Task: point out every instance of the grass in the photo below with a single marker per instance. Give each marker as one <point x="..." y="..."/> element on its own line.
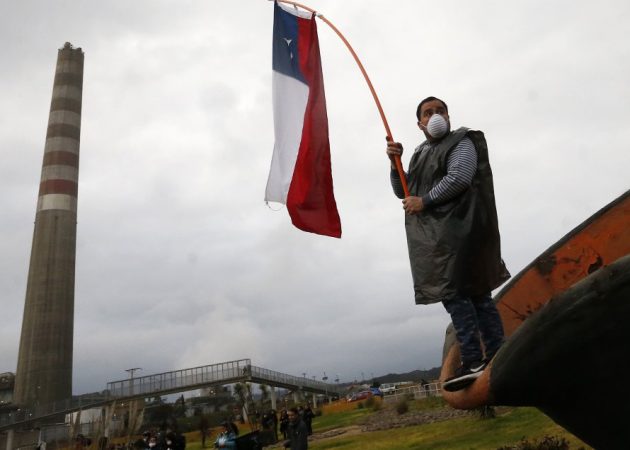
<point x="328" y="422"/>
<point x="467" y="433"/>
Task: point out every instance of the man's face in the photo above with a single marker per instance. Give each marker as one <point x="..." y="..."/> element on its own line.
<point x="293" y="416"/>
<point x="427" y="110"/>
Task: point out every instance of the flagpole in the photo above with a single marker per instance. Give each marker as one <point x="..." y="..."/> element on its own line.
<point x="399" y="168"/>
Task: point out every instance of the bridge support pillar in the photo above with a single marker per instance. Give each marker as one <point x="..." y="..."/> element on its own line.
<point x="9" y="440"/>
<point x="296" y="397"/>
<point x="272" y="392"/>
<point x="108" y="415"/>
<point x="314" y="399"/>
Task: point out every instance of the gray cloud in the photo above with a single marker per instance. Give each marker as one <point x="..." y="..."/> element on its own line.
<point x="180" y="263"/>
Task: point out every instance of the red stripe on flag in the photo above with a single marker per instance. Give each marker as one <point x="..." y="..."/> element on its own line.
<point x="310" y="200"/>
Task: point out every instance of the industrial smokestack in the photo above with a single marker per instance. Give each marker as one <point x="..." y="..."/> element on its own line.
<point x="44" y="369"/>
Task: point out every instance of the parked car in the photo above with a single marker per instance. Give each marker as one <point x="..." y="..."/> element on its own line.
<point x="376" y="391"/>
<point x="388" y="388"/>
<point x="361" y="395"/>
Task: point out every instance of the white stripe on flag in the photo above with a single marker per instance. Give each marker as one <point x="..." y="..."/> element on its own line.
<point x="290" y="97"/>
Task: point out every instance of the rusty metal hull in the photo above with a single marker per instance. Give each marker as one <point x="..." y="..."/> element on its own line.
<point x="600" y="240"/>
<point x="580" y="277"/>
<point x="570" y="359"/>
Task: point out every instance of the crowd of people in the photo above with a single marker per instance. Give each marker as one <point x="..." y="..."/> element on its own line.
<point x="167" y="439"/>
<point x="294" y="424"/>
<point x="290" y="426"/>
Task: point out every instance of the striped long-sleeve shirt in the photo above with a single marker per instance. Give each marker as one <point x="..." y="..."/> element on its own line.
<point x="461" y="166"/>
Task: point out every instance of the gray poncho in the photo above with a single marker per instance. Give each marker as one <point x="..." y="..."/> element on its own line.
<point x="454" y="247"/>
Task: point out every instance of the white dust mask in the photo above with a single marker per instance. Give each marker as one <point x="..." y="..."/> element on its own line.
<point x="437" y="126"/>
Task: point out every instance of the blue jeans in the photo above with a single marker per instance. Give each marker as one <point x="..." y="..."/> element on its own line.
<point x="474" y="318"/>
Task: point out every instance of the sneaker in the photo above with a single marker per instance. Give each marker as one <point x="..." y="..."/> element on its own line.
<point x="465" y="375"/>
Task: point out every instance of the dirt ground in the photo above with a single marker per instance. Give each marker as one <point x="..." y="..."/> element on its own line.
<point x="388" y="418"/>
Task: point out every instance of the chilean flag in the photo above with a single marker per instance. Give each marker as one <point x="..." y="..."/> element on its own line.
<point x="300" y="175"/>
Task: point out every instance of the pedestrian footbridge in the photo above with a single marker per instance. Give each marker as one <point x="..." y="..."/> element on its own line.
<point x="169" y="383"/>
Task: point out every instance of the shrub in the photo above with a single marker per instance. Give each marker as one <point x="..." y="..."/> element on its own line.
<point x="486" y="412"/>
<point x="547" y="443"/>
<point x="402" y="407"/>
<point x="360" y="405"/>
<point x="369" y="403"/>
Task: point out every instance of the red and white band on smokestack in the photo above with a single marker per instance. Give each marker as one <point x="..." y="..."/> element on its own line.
<point x="60" y="169"/>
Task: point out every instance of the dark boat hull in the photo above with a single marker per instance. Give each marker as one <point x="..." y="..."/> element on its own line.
<point x="566" y="318"/>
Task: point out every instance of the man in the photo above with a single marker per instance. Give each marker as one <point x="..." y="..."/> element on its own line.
<point x="227" y="437"/>
<point x="297" y="432"/>
<point x="307" y="417"/>
<point x="452" y="233"/>
<point x="203" y="429"/>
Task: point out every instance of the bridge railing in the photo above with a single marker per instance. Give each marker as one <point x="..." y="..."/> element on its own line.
<point x="417" y="391"/>
<point x="290" y="380"/>
<point x="168" y="382"/>
<point x="51" y="409"/>
<point x="154" y="384"/>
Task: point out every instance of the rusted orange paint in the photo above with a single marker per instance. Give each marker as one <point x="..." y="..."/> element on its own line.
<point x="600" y="242"/>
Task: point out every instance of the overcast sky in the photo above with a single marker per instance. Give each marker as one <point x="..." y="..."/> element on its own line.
<point x="179" y="261"/>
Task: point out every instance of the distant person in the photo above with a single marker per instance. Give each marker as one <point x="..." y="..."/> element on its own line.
<point x="425" y="387"/>
<point x="274" y="417"/>
<point x="268" y="434"/>
<point x="284" y="423"/>
<point x="227" y="438"/>
<point x="233" y="428"/>
<point x="203" y="430"/>
<point x="175" y="441"/>
<point x="296" y="432"/>
<point x="266" y="422"/>
<point x="307" y="416"/>
<point x="453" y="233"/>
<point x="153" y="443"/>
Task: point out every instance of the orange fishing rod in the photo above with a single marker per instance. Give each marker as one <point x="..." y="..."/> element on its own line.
<point x="399" y="168"/>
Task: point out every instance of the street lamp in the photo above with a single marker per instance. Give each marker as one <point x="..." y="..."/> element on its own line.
<point x="131" y="372"/>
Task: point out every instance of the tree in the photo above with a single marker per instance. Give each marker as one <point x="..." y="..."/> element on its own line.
<point x="179" y="409"/>
<point x="264" y="395"/>
<point x="240" y="391"/>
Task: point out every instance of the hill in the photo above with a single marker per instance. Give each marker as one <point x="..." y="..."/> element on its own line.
<point x="415" y="375"/>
